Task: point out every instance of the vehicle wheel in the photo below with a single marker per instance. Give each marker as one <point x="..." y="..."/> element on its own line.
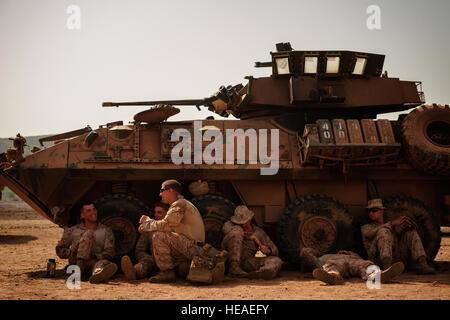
<point x="215" y="211"/>
<point x="316" y="221"/>
<point x="427" y="223"/>
<point x="121" y="213"/>
<point x="426" y="135"/>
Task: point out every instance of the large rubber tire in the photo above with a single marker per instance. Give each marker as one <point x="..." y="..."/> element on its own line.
<point x="426" y="136"/>
<point x="316" y="221"/>
<point x="427" y="223"/>
<point x="215" y="211"/>
<point x="121" y="213"/>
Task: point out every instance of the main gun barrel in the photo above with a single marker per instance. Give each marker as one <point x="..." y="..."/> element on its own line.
<point x="187" y="102"/>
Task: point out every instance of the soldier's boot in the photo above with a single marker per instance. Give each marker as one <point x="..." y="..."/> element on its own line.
<point x="183" y="269"/>
<point x="391" y="272"/>
<point x="423" y="267"/>
<point x="386" y="262"/>
<point x="265" y="274"/>
<point x="328" y="277"/>
<point x="104" y="274"/>
<point x="236" y="270"/>
<point x="164" y="276"/>
<point x="127" y="268"/>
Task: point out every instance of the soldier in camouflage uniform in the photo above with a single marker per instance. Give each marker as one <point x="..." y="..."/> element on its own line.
<point x="179" y="236"/>
<point x="243" y="240"/>
<point x="392" y="241"/>
<point x="333" y="268"/>
<point x="90" y="245"/>
<point x="143" y="252"/>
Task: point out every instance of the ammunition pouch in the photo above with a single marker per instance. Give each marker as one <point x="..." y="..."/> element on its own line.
<point x="208" y="266"/>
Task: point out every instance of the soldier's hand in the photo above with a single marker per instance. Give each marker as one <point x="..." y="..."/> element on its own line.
<point x="140" y="229"/>
<point x="265" y="249"/>
<point x="143" y="219"/>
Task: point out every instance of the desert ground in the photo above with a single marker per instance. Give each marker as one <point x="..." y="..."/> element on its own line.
<point x="27" y="240"/>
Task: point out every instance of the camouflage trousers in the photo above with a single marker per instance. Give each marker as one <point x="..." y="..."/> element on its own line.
<point x="243" y="251"/>
<point x="398" y="247"/>
<point x="82" y="249"/>
<point x="348" y="266"/>
<point x="144" y="266"/>
<point x="170" y="248"/>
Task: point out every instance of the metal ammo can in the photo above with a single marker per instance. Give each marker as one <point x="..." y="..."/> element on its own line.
<point x="51" y="268"/>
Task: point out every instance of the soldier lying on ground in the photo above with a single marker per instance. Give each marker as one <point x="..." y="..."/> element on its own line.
<point x="178" y="236"/>
<point x="243" y="240"/>
<point x="90" y="245"/>
<point x="333" y="268"/>
<point x="393" y="241"/>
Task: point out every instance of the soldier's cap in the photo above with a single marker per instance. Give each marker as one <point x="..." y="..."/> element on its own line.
<point x="375" y="203"/>
<point x="242" y="214"/>
<point x="172" y="184"/>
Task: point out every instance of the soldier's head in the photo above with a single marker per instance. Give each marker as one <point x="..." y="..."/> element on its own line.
<point x="89" y="212"/>
<point x="160" y="210"/>
<point x="375" y="210"/>
<point x="170" y="190"/>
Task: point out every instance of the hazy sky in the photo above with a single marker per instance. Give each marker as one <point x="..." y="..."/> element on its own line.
<point x="54" y="79"/>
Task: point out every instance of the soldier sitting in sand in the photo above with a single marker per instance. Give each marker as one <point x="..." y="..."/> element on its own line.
<point x="243" y="239"/>
<point x="397" y="240"/>
<point x="90" y="245"/>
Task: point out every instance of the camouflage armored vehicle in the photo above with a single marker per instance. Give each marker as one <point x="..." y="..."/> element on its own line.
<point x="305" y="153"/>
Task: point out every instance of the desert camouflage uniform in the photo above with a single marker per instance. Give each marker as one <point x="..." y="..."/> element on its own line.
<point x="242" y="250"/>
<point x="78" y="242"/>
<point x="347" y="264"/>
<point x="143" y="253"/>
<point x="177" y="236"/>
<point x="382" y="241"/>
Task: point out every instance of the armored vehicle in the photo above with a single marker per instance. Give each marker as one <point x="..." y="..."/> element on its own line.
<point x="305" y="153"/>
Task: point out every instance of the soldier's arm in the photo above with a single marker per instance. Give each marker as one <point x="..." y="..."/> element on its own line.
<point x="168" y="223"/>
<point x="142" y="246"/>
<point x="109" y="247"/>
<point x="265" y="240"/>
<point x="63" y="246"/>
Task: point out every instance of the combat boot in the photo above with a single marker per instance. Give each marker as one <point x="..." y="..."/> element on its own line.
<point x="330" y="278"/>
<point x="127" y="268"/>
<point x="423" y="267"/>
<point x="386" y="262"/>
<point x="104" y="274"/>
<point x="391" y="272"/>
<point x="236" y="270"/>
<point x="164" y="276"/>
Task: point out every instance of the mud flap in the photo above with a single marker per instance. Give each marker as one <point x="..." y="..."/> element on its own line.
<point x="208" y="266"/>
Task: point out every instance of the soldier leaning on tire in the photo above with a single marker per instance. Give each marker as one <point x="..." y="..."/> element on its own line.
<point x="333" y="268"/>
<point x="143" y="253"/>
<point x="90" y="245"/>
<point x="179" y="235"/>
<point x="243" y="240"/>
<point x="393" y="241"/>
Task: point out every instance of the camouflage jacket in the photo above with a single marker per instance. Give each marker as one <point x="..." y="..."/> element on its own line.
<point x="104" y="241"/>
<point x="182" y="218"/>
